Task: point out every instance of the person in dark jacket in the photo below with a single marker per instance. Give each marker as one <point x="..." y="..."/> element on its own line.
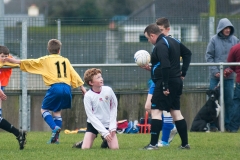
<point x="217" y="51"/>
<point x="167" y="75"/>
<point x="234" y="123"/>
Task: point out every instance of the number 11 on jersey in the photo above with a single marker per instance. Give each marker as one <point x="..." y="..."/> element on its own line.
<point x="59" y="71"/>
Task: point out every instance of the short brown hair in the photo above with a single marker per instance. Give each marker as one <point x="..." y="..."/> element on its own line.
<point x="88" y="75"/>
<point x="54" y="46"/>
<point x="152" y="29"/>
<point x="4" y="50"/>
<point x="163" y="22"/>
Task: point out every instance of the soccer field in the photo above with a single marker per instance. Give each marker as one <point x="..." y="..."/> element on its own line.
<point x="217" y="146"/>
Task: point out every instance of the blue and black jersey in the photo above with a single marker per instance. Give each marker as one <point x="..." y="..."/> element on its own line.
<point x="165" y="59"/>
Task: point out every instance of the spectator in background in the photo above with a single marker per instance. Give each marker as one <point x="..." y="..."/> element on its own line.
<point x="234" y="56"/>
<point x="217" y="51"/>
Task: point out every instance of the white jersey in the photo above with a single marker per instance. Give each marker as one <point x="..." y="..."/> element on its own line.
<point x="101" y="110"/>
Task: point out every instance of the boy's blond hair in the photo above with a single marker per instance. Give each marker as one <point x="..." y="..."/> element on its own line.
<point x="88" y="75"/>
<point x="54" y="46"/>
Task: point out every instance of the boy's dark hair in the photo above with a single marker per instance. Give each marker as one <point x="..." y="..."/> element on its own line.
<point x="88" y="75"/>
<point x="163" y="22"/>
<point x="152" y="29"/>
<point x="54" y="46"/>
<point x="4" y="50"/>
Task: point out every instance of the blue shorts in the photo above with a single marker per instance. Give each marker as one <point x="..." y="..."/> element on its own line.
<point x="58" y="97"/>
<point x="2" y="88"/>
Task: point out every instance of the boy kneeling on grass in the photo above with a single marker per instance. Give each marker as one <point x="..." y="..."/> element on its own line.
<point x="100" y="105"/>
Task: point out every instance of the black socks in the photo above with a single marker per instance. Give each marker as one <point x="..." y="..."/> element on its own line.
<point x="156" y="127"/>
<point x="4" y="124"/>
<point x="181" y="126"/>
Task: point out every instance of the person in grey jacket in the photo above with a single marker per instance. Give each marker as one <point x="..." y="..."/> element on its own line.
<point x="217" y="51"/>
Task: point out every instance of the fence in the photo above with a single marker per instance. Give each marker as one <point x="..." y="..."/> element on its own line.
<point x="25" y="98"/>
<point x="104" y="41"/>
<point x="109" y="45"/>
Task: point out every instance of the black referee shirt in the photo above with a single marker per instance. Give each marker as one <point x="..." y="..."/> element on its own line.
<point x="166" y="58"/>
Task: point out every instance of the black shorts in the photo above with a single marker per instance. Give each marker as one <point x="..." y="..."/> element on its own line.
<point x="172" y="101"/>
<point x="91" y="129"/>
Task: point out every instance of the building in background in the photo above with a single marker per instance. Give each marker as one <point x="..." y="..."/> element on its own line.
<point x="15" y="18"/>
<point x="187" y="18"/>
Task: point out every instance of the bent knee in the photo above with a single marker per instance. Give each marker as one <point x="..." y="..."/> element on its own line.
<point x="178" y="118"/>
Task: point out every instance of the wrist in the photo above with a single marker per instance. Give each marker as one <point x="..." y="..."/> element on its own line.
<point x="165" y="86"/>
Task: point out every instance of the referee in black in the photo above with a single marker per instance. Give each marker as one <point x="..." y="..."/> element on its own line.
<point x="168" y="76"/>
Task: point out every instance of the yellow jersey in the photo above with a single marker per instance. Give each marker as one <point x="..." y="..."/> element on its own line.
<point x="54" y="69"/>
<point x="8" y="64"/>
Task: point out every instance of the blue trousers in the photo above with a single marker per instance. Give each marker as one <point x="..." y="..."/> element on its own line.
<point x="235" y="116"/>
<point x="228" y="96"/>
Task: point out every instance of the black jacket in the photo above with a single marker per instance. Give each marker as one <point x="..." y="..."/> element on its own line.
<point x="165" y="59"/>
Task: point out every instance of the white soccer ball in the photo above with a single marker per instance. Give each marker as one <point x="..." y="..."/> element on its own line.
<point x="142" y="57"/>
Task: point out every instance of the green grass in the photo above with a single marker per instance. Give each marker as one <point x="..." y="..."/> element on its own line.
<point x="204" y="146"/>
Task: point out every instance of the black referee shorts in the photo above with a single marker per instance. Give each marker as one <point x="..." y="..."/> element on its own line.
<point x="172" y="101"/>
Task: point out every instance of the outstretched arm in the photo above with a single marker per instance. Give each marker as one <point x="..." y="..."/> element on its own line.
<point x="82" y="88"/>
<point x="12" y="60"/>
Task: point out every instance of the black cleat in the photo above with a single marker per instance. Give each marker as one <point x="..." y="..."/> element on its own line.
<point x="104" y="143"/>
<point x="22" y="138"/>
<point x="77" y="145"/>
<point x="185" y="147"/>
